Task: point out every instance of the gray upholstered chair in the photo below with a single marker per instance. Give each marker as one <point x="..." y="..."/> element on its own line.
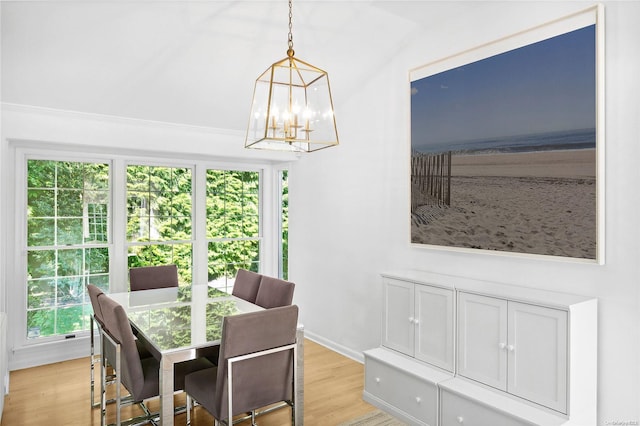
<point x="108" y="349"/>
<point x="274" y="292"/>
<point x="94" y="292"/>
<point x="150" y="277"/>
<point x="256" y="366"/>
<point x="140" y="375"/>
<point x="246" y="285"/>
<point x="96" y="318"/>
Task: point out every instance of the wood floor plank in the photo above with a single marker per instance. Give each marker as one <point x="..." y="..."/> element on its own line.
<point x="58" y="394"/>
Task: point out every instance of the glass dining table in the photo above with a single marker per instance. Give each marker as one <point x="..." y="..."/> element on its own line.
<point x="178" y="323"/>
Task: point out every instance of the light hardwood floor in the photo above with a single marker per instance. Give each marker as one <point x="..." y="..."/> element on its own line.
<point x="58" y="394"/>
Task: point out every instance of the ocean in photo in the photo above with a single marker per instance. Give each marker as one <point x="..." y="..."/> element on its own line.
<point x="548" y="141"/>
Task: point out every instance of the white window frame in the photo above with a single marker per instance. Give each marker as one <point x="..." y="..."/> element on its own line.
<point x="279" y="171"/>
<point x="17" y="293"/>
<point x="123" y="279"/>
<point x="261" y="212"/>
<point x="16" y="258"/>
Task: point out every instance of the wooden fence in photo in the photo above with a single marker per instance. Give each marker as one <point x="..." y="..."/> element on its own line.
<point x="430" y="179"/>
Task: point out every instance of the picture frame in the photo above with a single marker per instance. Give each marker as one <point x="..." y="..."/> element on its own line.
<point x="507" y="144"/>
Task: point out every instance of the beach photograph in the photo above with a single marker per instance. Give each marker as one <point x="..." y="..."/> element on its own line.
<point x="503" y="151"/>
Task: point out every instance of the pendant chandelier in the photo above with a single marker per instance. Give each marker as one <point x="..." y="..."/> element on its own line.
<point x="292" y="108"/>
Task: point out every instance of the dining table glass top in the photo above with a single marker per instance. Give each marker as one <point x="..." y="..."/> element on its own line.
<point x="174" y="319"/>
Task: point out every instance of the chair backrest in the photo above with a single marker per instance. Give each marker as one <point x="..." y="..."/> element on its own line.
<point x="94" y="293"/>
<point x="150" y="277"/>
<point x="246" y="285"/>
<point x="116" y="323"/>
<point x="262" y="380"/>
<point x="274" y="292"/>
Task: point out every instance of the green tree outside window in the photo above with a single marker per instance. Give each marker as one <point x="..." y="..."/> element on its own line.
<point x="159" y="206"/>
<point x="67" y="237"/>
<point x="233" y="225"/>
<point x="284" y="255"/>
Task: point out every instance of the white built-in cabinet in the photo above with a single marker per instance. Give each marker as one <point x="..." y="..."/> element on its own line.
<point x="418" y="321"/>
<point x="507" y="344"/>
<point x="458" y="351"/>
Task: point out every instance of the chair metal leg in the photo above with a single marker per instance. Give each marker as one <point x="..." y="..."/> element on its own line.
<point x="97" y="362"/>
<point x="189" y="406"/>
<point x="294" y="387"/>
<point x="103" y="388"/>
<point x="118" y="384"/>
<point x="92" y="360"/>
<point x="293" y="414"/>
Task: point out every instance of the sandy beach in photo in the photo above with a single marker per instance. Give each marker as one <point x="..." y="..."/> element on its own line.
<point x="579" y="163"/>
<point x="537" y="203"/>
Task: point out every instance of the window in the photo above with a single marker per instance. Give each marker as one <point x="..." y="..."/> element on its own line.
<point x="159" y="205"/>
<point x="233" y="224"/>
<point x="97" y="221"/>
<point x="74" y="236"/>
<point x="67" y="237"/>
<point x="284" y="225"/>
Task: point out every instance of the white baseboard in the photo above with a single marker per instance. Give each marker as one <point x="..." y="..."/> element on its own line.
<point x="47" y="353"/>
<point x="342" y="350"/>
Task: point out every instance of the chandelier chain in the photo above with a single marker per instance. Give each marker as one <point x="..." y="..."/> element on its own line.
<point x="290" y="38"/>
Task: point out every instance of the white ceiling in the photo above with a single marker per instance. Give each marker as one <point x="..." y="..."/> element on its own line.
<point x="190" y="62"/>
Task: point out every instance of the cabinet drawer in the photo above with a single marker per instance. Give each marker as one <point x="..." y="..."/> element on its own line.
<point x="412" y="395"/>
<point x="458" y="411"/>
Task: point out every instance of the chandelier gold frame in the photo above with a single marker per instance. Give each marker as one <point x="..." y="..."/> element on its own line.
<point x="292" y="108"/>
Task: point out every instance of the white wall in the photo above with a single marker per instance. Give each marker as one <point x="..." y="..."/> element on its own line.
<point x="350" y="209"/>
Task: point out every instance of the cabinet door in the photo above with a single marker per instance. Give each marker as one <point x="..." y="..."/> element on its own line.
<point x="482" y="339"/>
<point x="434" y="315"/>
<point x="537" y="354"/>
<point x="398" y="322"/>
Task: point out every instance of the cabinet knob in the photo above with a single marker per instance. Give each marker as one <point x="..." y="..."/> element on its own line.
<point x="377" y="379"/>
<point x="418" y="399"/>
<point x="502" y="345"/>
<point x="460" y="419"/>
<point x="416" y="321"/>
<point x="511" y="348"/>
<point x="410" y="319"/>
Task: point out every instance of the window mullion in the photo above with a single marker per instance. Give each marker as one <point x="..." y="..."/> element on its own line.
<point x="199" y="220"/>
<point x="118" y="259"/>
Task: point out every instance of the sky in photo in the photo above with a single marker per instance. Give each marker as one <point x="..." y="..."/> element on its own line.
<point x="542" y="87"/>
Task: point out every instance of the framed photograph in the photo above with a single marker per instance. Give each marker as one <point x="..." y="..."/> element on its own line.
<point x="507" y="144"/>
